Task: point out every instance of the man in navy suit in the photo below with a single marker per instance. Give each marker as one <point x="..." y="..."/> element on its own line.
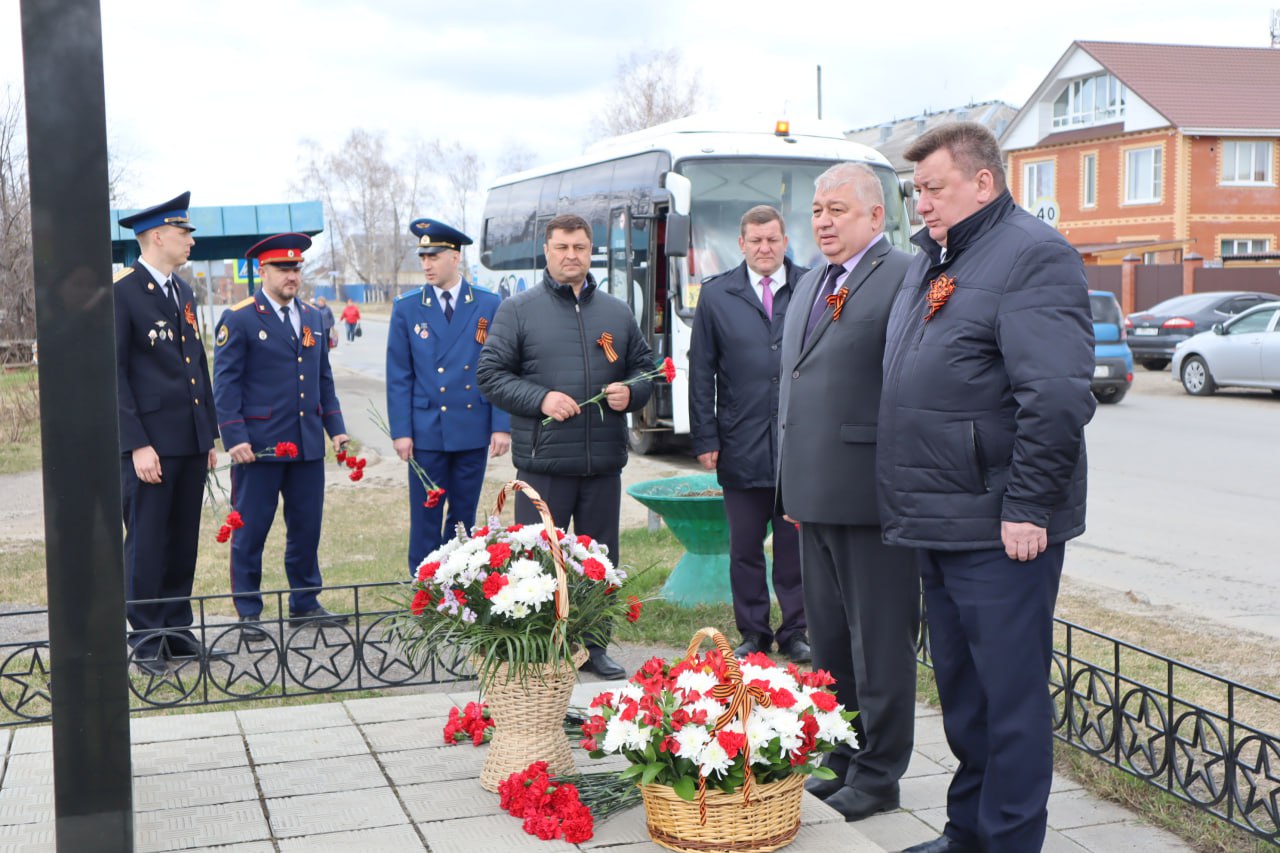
<point x="273" y="384"/>
<point x="167" y="427"/>
<point x="437" y="414"/>
<point x="733" y="416"/>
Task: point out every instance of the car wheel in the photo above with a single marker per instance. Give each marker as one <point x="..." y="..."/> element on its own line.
<point x="1156" y="363"/>
<point x="1110" y="395"/>
<point x="1196" y="378"/>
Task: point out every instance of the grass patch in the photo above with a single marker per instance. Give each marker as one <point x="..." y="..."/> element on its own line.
<point x="19" y="421"/>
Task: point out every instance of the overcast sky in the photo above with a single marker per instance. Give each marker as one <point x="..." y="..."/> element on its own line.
<point x="214" y="96"/>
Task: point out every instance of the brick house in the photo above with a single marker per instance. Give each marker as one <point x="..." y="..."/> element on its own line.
<point x="1154" y="150"/>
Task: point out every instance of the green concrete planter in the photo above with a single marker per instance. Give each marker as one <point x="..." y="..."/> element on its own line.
<point x="698" y="522"/>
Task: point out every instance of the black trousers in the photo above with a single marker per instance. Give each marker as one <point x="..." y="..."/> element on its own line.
<point x="863" y="602"/>
<point x="991" y="636"/>
<point x="591" y="504"/>
<point x="162" y="536"/>
<point x="750" y="511"/>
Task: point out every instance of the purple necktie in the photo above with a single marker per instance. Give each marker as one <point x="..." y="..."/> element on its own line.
<point x="834" y="271"/>
<point x="766" y="296"/>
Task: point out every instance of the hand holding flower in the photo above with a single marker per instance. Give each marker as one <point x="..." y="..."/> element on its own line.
<point x="616" y="394"/>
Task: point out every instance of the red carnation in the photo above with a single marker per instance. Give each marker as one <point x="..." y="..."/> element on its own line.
<point x="427" y="571"/>
<point x="480" y="532"/>
<point x="823" y="701"/>
<point x="351" y="462"/>
<point x="421" y="601"/>
<point x="782" y="697"/>
<point x="342" y="456"/>
<point x="360" y="463"/>
<point x="669" y="369"/>
<point x="586" y="541"/>
<point x="515" y="528"/>
<point x="633" y="614"/>
<point x="499" y="553"/>
<point x="224" y="533"/>
<point x="593" y="569"/>
<point x="494" y="583"/>
<point x="731" y="742"/>
<point x="356" y="475"/>
<point x="286" y="449"/>
<point x="234" y="520"/>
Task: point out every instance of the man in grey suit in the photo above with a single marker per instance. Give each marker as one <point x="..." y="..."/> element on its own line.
<point x="861" y="596"/>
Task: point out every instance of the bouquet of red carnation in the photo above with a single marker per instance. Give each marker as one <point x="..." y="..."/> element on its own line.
<point x="472" y="722"/>
<point x="550" y="809"/>
<point x="234" y="521"/>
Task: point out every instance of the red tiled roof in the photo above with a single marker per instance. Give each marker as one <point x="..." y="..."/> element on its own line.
<point x="1199" y="87"/>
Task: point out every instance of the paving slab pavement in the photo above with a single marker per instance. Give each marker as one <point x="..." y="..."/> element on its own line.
<point x="372" y="775"/>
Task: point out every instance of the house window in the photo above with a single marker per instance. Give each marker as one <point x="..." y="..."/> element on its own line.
<point x="1092" y="100"/>
<point x="1246" y="162"/>
<point x="1089" y="180"/>
<point x="1244" y="246"/>
<point x="1037" y="182"/>
<point x="1142" y="175"/>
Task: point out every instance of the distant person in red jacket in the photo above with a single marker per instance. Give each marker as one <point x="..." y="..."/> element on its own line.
<point x="351" y="316"/>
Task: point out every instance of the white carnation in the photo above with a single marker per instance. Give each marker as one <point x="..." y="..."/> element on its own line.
<point x="622" y="734"/>
<point x="701" y="681"/>
<point x="690" y="740"/>
<point x="713" y="759"/>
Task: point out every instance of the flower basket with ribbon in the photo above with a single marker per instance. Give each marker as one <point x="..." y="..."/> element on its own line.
<point x="520" y="602"/>
<point x="720" y="747"/>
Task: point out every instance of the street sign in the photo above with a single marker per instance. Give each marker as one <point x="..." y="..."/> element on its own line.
<point x="1046" y="210"/>
<point x="242" y="273"/>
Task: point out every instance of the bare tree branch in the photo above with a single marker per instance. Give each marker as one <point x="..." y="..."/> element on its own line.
<point x="650" y="88"/>
<point x="17" y="282"/>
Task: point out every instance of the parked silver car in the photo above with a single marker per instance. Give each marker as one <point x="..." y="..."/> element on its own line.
<point x="1244" y="351"/>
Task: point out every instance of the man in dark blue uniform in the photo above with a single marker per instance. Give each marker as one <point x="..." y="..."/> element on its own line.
<point x="273" y="384"/>
<point x="436" y="411"/>
<point x="167" y="427"/>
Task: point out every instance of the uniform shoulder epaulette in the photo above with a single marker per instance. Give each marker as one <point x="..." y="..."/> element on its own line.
<point x="409" y="293"/>
<point x="243" y="303"/>
<point x="124" y="273"/>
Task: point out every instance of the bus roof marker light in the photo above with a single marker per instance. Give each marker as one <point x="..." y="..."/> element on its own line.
<point x="782" y="128"/>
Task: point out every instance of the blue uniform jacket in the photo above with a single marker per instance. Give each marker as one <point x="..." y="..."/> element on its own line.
<point x="162" y="376"/>
<point x="269" y="388"/>
<point x="432" y="393"/>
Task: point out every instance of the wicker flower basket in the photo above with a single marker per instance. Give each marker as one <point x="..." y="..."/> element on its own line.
<point x="757" y="819"/>
<point x="528" y="706"/>
<point x="771" y="820"/>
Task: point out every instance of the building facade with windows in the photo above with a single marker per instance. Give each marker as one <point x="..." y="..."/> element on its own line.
<point x="1154" y="150"/>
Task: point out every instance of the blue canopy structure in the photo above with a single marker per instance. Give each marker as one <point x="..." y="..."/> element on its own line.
<point x="224" y="233"/>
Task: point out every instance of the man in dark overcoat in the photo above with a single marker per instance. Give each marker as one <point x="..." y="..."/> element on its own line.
<point x="733" y="422"/>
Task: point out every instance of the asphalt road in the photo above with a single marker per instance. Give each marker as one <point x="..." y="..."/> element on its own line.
<point x="1182" y="493"/>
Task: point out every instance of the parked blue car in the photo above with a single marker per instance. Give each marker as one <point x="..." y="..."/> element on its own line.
<point x="1113" y="361"/>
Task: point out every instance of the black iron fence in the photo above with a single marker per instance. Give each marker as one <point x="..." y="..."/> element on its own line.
<point x="272" y="657"/>
<point x="1205" y="739"/>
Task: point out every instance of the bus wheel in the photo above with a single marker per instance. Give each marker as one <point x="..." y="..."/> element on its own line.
<point x="645" y="442"/>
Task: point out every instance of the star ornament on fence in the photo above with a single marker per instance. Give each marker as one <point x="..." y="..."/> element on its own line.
<point x="1201" y="762"/>
<point x="32" y="679"/>
<point x="1261" y="780"/>
<point x="322" y="654"/>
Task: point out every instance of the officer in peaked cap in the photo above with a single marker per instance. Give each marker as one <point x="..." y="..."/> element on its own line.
<point x="435" y="409"/>
<point x="272" y="384"/>
<point x="167" y="427"/>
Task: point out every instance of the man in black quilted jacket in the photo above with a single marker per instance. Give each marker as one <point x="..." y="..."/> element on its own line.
<point x="981" y="464"/>
<point x="551" y="348"/>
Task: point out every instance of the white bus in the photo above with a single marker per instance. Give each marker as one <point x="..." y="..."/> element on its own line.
<point x="665" y="205"/>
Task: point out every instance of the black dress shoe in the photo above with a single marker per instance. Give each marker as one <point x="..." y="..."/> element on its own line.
<point x="943" y="844"/>
<point x="191" y="650"/>
<point x="311" y="617"/>
<point x="823" y="788"/>
<point x="599" y="663"/>
<point x="155" y="667"/>
<point x="253" y="632"/>
<point x="856" y="804"/>
<point x="796" y="649"/>
<point x="752" y="642"/>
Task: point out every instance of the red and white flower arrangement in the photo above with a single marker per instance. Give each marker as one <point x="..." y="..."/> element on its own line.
<point x="492" y="595"/>
<point x="680" y="723"/>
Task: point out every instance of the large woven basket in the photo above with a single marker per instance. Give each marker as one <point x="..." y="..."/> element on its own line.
<point x="528" y="706"/>
<point x="771" y="820"/>
<point x="757" y="819"/>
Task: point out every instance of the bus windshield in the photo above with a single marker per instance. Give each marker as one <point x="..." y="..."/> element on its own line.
<point x="724" y="189"/>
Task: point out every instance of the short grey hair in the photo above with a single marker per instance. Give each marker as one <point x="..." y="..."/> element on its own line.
<point x="866" y="186"/>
